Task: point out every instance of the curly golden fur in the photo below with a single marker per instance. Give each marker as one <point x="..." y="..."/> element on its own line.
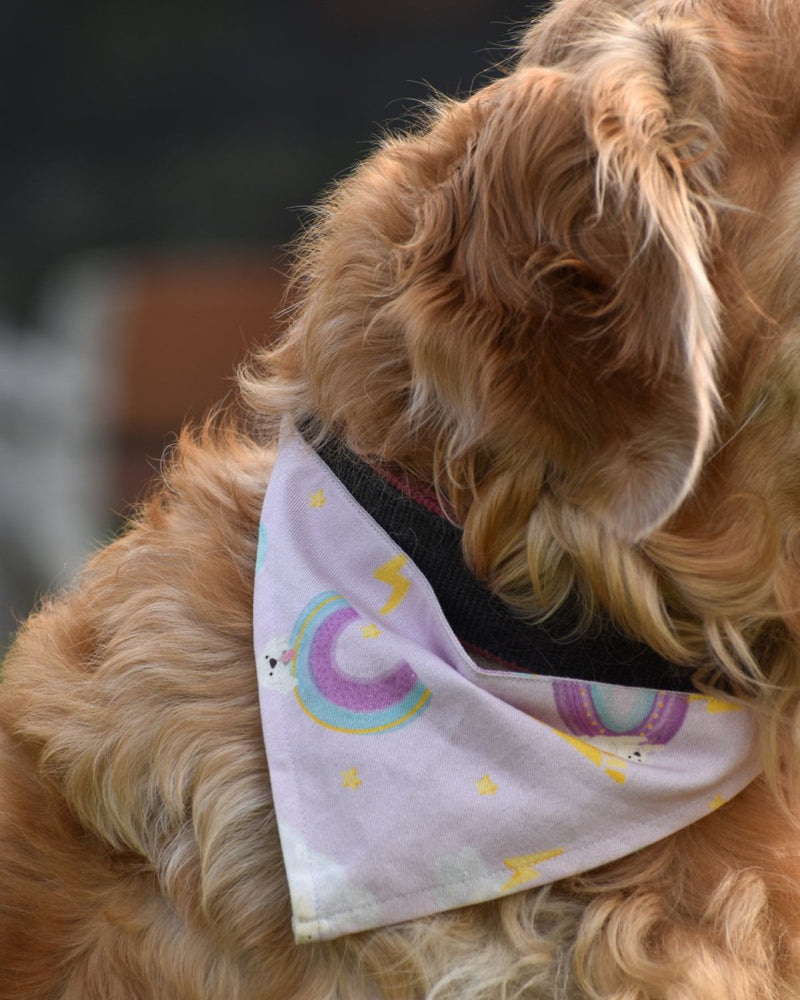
<point x="570" y="303"/>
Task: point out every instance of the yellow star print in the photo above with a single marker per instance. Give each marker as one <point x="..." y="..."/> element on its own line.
<point x="350" y="779"/>
<point x="370" y="631"/>
<point x="716" y="802"/>
<point x="524" y="867"/>
<point x="317" y="499"/>
<point x="486" y="786"/>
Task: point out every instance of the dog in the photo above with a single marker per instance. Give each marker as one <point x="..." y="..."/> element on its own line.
<point x="561" y="318"/>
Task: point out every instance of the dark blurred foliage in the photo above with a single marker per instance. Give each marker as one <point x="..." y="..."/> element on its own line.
<point x="162" y="123"/>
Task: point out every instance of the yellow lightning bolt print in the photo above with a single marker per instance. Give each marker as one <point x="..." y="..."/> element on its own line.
<point x="390" y="573"/>
<point x="716" y="705"/>
<point x="615" y="766"/>
<point x="524" y="867"/>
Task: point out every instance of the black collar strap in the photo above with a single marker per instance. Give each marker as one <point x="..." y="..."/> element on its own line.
<point x="482" y="623"/>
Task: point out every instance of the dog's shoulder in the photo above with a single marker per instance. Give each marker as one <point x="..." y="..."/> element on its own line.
<point x="113" y="674"/>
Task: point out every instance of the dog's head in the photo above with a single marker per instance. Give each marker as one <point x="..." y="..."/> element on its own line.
<point x="561" y="298"/>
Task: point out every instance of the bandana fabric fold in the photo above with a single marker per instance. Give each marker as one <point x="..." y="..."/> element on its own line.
<point x="407" y="780"/>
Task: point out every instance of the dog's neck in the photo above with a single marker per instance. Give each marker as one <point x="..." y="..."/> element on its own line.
<point x="484" y="625"/>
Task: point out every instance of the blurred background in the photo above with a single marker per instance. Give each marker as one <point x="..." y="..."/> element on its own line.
<point x="157" y="159"/>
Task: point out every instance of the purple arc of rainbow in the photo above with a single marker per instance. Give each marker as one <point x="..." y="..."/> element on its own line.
<point x="605" y="710"/>
<point x="339" y="700"/>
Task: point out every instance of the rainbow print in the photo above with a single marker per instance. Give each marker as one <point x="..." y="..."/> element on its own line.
<point x="606" y="710"/>
<point x="333" y="698"/>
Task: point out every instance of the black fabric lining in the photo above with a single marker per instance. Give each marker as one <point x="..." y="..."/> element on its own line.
<point x="480" y="620"/>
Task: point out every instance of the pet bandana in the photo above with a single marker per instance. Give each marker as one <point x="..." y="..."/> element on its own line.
<point x="409" y="780"/>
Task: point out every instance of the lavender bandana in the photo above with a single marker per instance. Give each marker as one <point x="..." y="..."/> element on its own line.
<point x="407" y="779"/>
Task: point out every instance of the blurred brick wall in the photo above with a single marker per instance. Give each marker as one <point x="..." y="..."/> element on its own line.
<point x="184" y="327"/>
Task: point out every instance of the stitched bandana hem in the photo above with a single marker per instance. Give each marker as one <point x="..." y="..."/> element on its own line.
<point x="408" y="780"/>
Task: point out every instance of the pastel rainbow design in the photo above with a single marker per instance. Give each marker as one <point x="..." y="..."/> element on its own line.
<point x="603" y="710"/>
<point x="261" y="554"/>
<point x="331" y="697"/>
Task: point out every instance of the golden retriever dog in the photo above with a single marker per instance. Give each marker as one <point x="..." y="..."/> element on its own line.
<point x="566" y="311"/>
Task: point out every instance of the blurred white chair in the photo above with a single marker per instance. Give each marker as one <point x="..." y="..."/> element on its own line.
<point x="56" y="397"/>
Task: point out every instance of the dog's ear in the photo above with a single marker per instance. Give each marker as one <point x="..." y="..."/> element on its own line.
<point x="579" y="225"/>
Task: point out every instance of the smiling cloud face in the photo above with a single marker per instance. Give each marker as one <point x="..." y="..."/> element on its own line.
<point x="632" y="748"/>
<point x="274" y="667"/>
